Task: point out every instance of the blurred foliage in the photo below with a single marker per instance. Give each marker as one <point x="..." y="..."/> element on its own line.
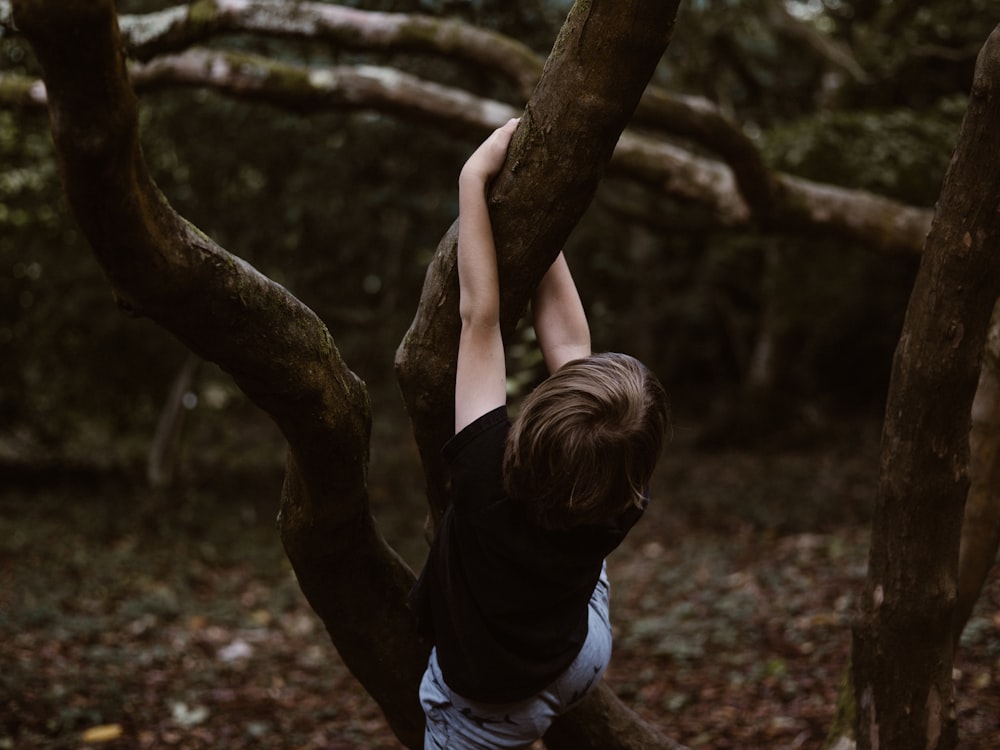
<point x="346" y="209"/>
<point x="901" y="154"/>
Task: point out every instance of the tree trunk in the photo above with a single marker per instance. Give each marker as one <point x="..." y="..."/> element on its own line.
<point x="980" y="536"/>
<point x="903" y="650"/>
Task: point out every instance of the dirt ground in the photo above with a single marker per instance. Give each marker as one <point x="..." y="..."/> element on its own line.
<point x="130" y="619"/>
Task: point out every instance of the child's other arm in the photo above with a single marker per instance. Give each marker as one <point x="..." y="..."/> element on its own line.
<point x="480" y="380"/>
<point x="560" y="322"/>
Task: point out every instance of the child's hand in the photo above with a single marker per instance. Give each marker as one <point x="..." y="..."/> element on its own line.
<point x="486" y="160"/>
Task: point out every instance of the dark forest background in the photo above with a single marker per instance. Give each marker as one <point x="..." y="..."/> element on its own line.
<point x="345" y="210"/>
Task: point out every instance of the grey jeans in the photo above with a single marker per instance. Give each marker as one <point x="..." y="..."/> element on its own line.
<point x="454" y="723"/>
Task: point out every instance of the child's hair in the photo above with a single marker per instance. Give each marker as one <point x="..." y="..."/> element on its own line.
<point x="583" y="446"/>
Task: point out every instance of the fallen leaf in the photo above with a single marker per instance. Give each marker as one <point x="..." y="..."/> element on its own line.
<point x="102" y="733"/>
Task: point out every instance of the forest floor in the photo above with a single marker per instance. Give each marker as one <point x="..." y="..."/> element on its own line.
<point x="134" y="619"/>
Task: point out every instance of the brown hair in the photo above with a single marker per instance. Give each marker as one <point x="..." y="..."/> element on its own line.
<point x="583" y="446"/>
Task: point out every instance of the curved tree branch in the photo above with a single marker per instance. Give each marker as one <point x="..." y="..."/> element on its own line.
<point x="152" y="34"/>
<point x="176" y="28"/>
<point x="276" y="349"/>
<point x="343" y="87"/>
<point x="704" y="123"/>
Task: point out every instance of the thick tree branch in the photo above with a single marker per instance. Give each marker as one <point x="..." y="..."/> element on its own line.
<point x="799" y="205"/>
<point x="561" y="149"/>
<point x="149" y="35"/>
<point x="275" y="348"/>
<point x="592" y="82"/>
<point x="176" y="28"/>
<point x="308" y="89"/>
<point x="295" y="87"/>
<point x="602" y="722"/>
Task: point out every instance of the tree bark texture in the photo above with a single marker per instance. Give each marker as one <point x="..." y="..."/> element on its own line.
<point x="902" y="654"/>
<point x="276" y="349"/>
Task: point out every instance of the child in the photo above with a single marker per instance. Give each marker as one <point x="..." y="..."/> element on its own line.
<point x="515" y="594"/>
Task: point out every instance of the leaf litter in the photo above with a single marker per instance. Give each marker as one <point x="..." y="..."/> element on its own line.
<point x="135" y="620"/>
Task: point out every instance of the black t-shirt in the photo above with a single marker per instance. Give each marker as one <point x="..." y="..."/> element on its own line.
<point x="503" y="599"/>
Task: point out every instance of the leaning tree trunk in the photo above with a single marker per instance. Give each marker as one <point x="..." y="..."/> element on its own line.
<point x="599" y="66"/>
<point x="903" y="649"/>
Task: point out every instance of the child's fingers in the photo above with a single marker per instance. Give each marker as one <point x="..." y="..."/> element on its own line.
<point x="509" y="127"/>
<point x="504" y="132"/>
<point x="502" y="136"/>
<point x="489" y="157"/>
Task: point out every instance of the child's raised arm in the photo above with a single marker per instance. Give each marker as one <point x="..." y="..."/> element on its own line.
<point x="480" y="380"/>
<point x="560" y="321"/>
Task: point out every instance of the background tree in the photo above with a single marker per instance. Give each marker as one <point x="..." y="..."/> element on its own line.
<point x="904" y="645"/>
